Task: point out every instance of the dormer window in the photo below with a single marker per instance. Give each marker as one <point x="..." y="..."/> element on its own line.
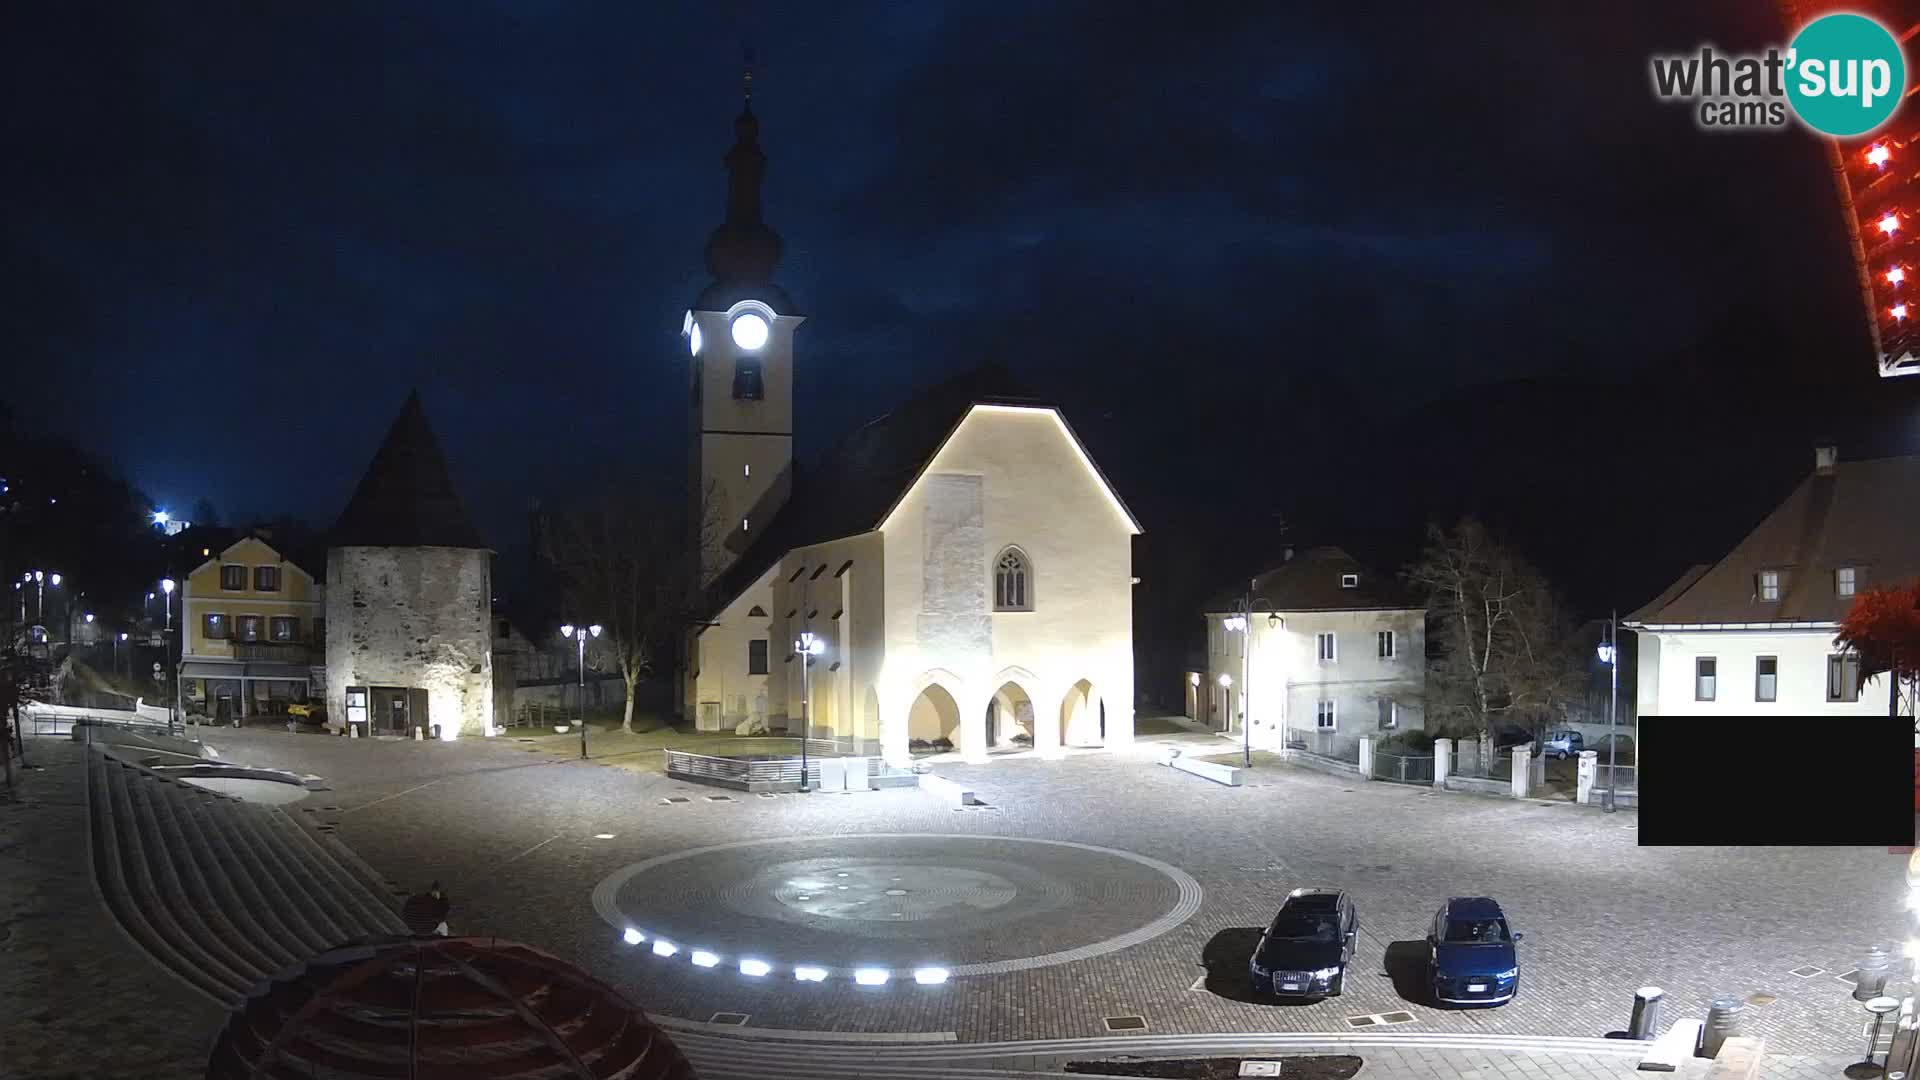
<point x="1349" y="581"/>
<point x="747" y="384"/>
<point x="1769" y="586"/>
<point x="1845" y="580"/>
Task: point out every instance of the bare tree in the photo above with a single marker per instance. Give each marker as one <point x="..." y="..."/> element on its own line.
<point x="628" y="561"/>
<point x="1504" y="647"/>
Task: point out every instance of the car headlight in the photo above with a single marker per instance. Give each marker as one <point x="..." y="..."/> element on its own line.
<point x="1326" y="973"/>
<point x="1508" y="974"/>
<point x="1258" y="970"/>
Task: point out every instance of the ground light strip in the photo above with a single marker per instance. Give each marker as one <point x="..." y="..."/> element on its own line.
<point x="606" y="893"/>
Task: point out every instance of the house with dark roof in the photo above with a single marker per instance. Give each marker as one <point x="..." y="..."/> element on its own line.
<point x="1754" y="632"/>
<point x="1314" y="653"/>
<point x="409" y="597"/>
<point x="955" y="574"/>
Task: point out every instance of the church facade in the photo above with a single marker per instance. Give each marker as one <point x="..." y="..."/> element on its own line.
<point x="954" y="575"/>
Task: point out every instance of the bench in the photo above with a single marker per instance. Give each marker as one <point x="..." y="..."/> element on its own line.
<point x="956" y="793"/>
<point x="1739" y="1059"/>
<point x="1215" y="771"/>
<point x="1675" y="1046"/>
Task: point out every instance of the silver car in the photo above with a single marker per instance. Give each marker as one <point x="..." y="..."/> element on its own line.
<point x="1562" y="744"/>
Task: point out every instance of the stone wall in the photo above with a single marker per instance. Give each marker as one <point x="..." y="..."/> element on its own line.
<point x="413" y="617"/>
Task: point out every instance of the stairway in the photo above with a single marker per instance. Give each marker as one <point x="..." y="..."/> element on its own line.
<point x="223" y="893"/>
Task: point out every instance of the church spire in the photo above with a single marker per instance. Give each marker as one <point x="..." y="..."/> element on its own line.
<point x="743" y="249"/>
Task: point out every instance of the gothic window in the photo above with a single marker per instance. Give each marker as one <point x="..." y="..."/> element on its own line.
<point x="1012" y="581"/>
<point x="747" y="385"/>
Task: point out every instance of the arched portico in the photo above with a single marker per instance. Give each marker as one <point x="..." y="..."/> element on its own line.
<point x="1081" y="716"/>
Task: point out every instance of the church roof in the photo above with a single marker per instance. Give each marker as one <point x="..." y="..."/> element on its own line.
<point x="1315" y="581"/>
<point x="1858" y="514"/>
<point x="407" y="498"/>
<point x="852" y="489"/>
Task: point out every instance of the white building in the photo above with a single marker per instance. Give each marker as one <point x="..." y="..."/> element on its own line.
<point x="963" y="564"/>
<point x="1754" y="632"/>
<point x="1338" y="651"/>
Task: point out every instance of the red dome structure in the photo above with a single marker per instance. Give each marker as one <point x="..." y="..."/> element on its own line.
<point x="433" y="1008"/>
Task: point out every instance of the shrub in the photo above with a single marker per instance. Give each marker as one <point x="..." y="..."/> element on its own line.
<point x="1408" y="742"/>
<point x="1023" y="739"/>
<point x="919" y="744"/>
<point x="943" y="744"/>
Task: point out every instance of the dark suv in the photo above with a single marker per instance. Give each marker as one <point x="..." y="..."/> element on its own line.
<point x="1306" y="949"/>
<point x="1471" y="959"/>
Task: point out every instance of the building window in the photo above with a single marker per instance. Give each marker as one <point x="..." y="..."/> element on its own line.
<point x="1327" y="652"/>
<point x="1704" y="670"/>
<point x="1323" y="718"/>
<point x="1769" y="585"/>
<point x="1766" y="679"/>
<point x="747" y="384"/>
<point x="248" y="627"/>
<point x="1843" y="678"/>
<point x="286" y="628"/>
<point x="757" y="656"/>
<point x="1389" y="715"/>
<point x="233" y="578"/>
<point x="1012" y="582"/>
<point x="266" y="579"/>
<point x="1349" y="581"/>
<point x="1385" y="638"/>
<point x="213" y="627"/>
<point x="1843" y="581"/>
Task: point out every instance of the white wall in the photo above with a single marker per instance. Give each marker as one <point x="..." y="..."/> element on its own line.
<point x="1667" y="665"/>
<point x="721" y="663"/>
<point x="1009" y="476"/>
<point x="413" y="617"/>
<point x="1287" y="657"/>
<point x="741" y="446"/>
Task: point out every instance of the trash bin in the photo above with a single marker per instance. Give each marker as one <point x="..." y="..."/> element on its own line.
<point x="1870" y="976"/>
<point x="1646" y="1013"/>
<point x="1723" y="1023"/>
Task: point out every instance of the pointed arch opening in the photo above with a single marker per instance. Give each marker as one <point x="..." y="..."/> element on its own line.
<point x="1010" y="719"/>
<point x="933" y="721"/>
<point x="1083" y="716"/>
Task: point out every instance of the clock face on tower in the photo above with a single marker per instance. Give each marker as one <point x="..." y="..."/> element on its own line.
<point x="750" y="331"/>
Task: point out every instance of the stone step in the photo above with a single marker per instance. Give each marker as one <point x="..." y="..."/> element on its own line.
<point x="119" y="869"/>
<point x="299" y="938"/>
<point x="194" y="909"/>
<point x="370" y="915"/>
<point x="271" y="934"/>
<point x="297" y="892"/>
<point x="215" y="890"/>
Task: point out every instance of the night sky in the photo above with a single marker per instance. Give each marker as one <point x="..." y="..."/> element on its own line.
<point x="1271" y="262"/>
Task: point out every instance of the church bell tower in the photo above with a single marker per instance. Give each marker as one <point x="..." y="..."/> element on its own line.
<point x="739" y="335"/>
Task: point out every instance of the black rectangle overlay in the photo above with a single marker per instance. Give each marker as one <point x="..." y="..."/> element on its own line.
<point x="1760" y="781"/>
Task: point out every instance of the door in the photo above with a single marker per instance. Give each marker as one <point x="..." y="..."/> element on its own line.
<point x="397" y="713"/>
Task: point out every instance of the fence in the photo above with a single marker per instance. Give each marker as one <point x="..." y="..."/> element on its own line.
<point x="1474" y="765"/>
<point x="1603" y="777"/>
<point x="765" y="773"/>
<point x="61" y="719"/>
<point x="1344" y="751"/>
<point x="1403" y="768"/>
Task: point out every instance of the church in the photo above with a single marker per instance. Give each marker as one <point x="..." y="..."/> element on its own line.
<point x="955" y="575"/>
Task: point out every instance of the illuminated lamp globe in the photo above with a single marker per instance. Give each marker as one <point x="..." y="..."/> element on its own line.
<point x="694" y="339"/>
<point x="750" y="332"/>
<point x="166" y="586"/>
<point x="1878" y="155"/>
<point x="1896" y="275"/>
<point x="1889" y="224"/>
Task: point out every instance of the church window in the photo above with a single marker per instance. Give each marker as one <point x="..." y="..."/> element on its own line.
<point x="747" y="384"/>
<point x="757" y="656"/>
<point x="1012" y="581"/>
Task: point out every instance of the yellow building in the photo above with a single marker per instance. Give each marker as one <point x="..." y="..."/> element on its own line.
<point x="254" y="632"/>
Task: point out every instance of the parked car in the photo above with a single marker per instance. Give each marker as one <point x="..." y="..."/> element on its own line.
<point x="1306" y="949"/>
<point x="1563" y="744"/>
<point x="1471" y="956"/>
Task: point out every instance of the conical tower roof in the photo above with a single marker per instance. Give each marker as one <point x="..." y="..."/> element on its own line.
<point x="407" y="499"/>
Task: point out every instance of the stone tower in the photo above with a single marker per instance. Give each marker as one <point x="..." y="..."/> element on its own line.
<point x="409" y="597"/>
<point x="740" y="336"/>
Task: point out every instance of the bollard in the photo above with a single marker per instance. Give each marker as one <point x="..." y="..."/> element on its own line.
<point x="1870" y="977"/>
<point x="1646" y="1013"/>
<point x="1723" y="1023"/>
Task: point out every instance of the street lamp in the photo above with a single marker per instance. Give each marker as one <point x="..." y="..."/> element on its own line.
<point x="173" y="702"/>
<point x="1610" y="656"/>
<point x="581" y="634"/>
<point x="809" y="646"/>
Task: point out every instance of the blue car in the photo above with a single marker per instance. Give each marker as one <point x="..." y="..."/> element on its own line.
<point x="1471" y="957"/>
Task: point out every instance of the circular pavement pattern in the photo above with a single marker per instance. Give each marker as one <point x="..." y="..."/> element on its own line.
<point x="974" y="905"/>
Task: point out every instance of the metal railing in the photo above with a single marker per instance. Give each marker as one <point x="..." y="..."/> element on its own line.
<point x="62" y="719"/>
<point x="1603" y="777"/>
<point x="1478" y="766"/>
<point x="1403" y="768"/>
<point x="739" y="770"/>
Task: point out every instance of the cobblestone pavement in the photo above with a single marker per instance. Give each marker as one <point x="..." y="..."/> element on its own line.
<point x="77" y="997"/>
<point x="522" y="839"/>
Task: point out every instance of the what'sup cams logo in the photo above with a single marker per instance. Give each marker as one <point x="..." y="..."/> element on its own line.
<point x="1842" y="75"/>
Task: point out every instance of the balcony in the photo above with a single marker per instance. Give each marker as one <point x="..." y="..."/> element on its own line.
<point x="282" y="652"/>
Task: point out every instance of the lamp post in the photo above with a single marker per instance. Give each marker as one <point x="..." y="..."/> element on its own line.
<point x="809" y="646"/>
<point x="122" y="636"/>
<point x="581" y="634"/>
<point x="173" y="700"/>
<point x="1610" y="656"/>
<point x="1243" y="623"/>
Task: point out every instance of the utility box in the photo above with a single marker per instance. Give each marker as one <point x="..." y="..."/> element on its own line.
<point x="833" y="774"/>
<point x="857" y="774"/>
